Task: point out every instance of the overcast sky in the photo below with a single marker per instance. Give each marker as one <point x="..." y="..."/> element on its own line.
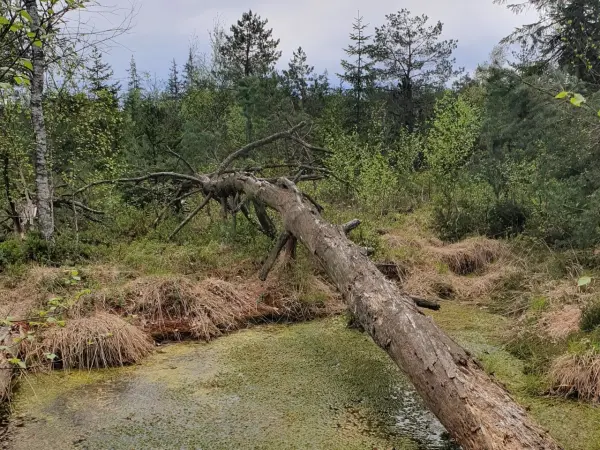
<point x="163" y="29"/>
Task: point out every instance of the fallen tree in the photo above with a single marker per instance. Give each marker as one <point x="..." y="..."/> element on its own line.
<point x="474" y="408"/>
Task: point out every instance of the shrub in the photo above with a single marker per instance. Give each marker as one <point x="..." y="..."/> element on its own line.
<point x="590" y="317"/>
<point x="12" y="252"/>
<point x="506" y="218"/>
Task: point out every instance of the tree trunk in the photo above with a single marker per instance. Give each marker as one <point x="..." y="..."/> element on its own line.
<point x="6" y="368"/>
<point x="475" y="409"/>
<point x="42" y="178"/>
<point x="12" y="207"/>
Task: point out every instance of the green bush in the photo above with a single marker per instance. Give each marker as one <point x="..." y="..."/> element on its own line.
<point x="461" y="213"/>
<point x="66" y="249"/>
<point x="505" y="218"/>
<point x="590" y="318"/>
<point x="12" y="252"/>
<point x="471" y="210"/>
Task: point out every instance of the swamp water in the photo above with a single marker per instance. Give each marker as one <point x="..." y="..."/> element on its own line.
<point x="314" y="385"/>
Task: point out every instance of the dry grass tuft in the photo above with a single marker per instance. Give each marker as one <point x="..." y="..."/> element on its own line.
<point x="173" y="307"/>
<point x="470" y="270"/>
<point x="577" y="376"/>
<point x="470" y="256"/>
<point x="177" y="306"/>
<point x="99" y="341"/>
<point x="559" y="324"/>
<point x="19" y="296"/>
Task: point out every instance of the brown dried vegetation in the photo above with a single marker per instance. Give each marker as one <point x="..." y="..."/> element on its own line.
<point x="574" y="375"/>
<point x="99" y="341"/>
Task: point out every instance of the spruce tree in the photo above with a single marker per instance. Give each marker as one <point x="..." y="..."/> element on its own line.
<point x="134" y="90"/>
<point x="358" y="72"/>
<point x="100" y="74"/>
<point x="133" y="83"/>
<point x="174" y="85"/>
<point x="190" y="72"/>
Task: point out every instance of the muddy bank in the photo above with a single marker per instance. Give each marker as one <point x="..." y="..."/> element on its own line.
<point x="312" y="385"/>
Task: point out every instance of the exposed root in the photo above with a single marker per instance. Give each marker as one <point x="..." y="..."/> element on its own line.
<point x="99" y="341"/>
<point x="577" y="376"/>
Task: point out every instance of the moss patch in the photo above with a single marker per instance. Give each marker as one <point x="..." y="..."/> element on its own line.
<point x="573" y="424"/>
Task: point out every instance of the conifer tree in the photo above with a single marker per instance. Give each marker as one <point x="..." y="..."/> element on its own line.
<point x="190" y="72"/>
<point x="411" y="59"/>
<point x="133" y="83"/>
<point x="100" y="74"/>
<point x="358" y="72"/>
<point x="174" y="84"/>
<point x="298" y="77"/>
<point x="250" y="49"/>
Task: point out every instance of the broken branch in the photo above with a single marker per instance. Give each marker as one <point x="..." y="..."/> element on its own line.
<point x="260" y="143"/>
<point x="183" y="160"/>
<point x="352" y="225"/>
<point x="193" y="214"/>
<point x="270" y="262"/>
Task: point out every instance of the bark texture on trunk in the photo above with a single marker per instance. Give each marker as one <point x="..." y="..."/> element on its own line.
<point x="6" y="369"/>
<point x="475" y="409"/>
<point x="42" y="176"/>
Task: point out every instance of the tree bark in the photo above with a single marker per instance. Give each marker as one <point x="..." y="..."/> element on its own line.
<point x="474" y="408"/>
<point x="274" y="254"/>
<point x="42" y="177"/>
<point x="12" y="207"/>
<point x="6" y="369"/>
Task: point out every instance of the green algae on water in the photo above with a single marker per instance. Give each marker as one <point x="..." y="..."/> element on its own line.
<point x="315" y="385"/>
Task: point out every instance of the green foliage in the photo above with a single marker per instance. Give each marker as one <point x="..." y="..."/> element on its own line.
<point x="451" y="140"/>
<point x="12" y="252"/>
<point x="536" y="351"/>
<point x="538" y="304"/>
<point x="590" y="317"/>
<point x="250" y="49"/>
<point x="410" y="55"/>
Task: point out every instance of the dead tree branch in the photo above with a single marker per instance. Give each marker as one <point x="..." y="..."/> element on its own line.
<point x="352" y="225"/>
<point x="183" y="160"/>
<point x="424" y="303"/>
<point x="193" y="214"/>
<point x="274" y="254"/>
<point x="261" y="143"/>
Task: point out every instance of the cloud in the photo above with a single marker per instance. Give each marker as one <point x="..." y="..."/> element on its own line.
<point x="321" y="27"/>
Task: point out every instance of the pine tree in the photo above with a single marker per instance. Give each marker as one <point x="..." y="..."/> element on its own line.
<point x="100" y="74"/>
<point x="298" y="76"/>
<point x="412" y="60"/>
<point x="358" y="73"/>
<point x="174" y="85"/>
<point x="250" y="49"/>
<point x="249" y="55"/>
